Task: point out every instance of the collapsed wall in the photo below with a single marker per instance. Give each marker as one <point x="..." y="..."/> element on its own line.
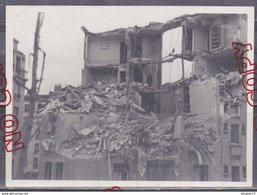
<point x="92" y="123"/>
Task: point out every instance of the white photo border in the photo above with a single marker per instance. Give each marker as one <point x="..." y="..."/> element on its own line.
<point x="248" y="10"/>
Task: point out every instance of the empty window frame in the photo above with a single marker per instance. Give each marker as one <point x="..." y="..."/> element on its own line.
<point x="18" y="64"/>
<point x="234" y="133"/>
<point x="235" y="109"/>
<point x="243" y="130"/>
<point x="137" y="52"/>
<point x="159" y="171"/>
<point x="235" y="172"/>
<point x="226" y="107"/>
<point x="123" y="53"/>
<point x="48" y="170"/>
<point x="120" y="171"/>
<point x="34" y="175"/>
<point x="59" y="171"/>
<point x="36" y="149"/>
<point x="188" y="40"/>
<point x="215" y="37"/>
<point x="35" y="163"/>
<point x="225" y="170"/>
<point x="201" y="172"/>
<point x="225" y="128"/>
<point x="26" y="107"/>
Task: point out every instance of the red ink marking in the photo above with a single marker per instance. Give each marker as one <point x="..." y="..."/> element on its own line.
<point x="3" y="81"/>
<point x="250" y="99"/>
<point x="245" y="81"/>
<point x="4" y="92"/>
<point x="6" y="101"/>
<point x="114" y="188"/>
<point x="3" y="122"/>
<point x="241" y="49"/>
<point x="16" y="145"/>
<point x="8" y="122"/>
<point x="246" y="67"/>
<point x="243" y="63"/>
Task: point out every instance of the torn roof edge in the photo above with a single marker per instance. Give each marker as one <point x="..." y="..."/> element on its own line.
<point x="155" y="28"/>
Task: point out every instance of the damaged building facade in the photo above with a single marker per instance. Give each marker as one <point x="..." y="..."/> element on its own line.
<point x="214" y="91"/>
<point x="104" y="130"/>
<point x="125" y="54"/>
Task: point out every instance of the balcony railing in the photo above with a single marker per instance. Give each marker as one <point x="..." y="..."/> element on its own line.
<point x="235" y="149"/>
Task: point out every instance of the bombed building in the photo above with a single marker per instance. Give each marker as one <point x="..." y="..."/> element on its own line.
<point x="124" y="123"/>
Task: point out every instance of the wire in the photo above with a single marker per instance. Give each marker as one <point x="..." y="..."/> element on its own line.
<point x="80" y="46"/>
<point x="174" y="47"/>
<point x="42" y="70"/>
<point x="177" y="38"/>
<point x="171" y="35"/>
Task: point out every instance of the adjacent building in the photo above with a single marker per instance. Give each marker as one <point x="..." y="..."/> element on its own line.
<point x="18" y="95"/>
<point x="31" y="170"/>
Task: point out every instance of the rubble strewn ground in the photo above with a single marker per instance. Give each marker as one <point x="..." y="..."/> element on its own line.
<point x="116" y="132"/>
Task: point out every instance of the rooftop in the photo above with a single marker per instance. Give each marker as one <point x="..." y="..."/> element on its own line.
<point x="156" y="28"/>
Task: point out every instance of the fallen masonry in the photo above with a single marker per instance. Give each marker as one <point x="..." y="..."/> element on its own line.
<point x="91" y="123"/>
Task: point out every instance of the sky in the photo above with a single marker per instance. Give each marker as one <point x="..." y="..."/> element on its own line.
<point x="172" y="43"/>
<point x="61" y="36"/>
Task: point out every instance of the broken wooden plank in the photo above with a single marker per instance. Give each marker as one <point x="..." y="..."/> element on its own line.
<point x="73" y="92"/>
<point x="136" y="107"/>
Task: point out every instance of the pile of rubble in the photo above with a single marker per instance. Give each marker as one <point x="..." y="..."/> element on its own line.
<point x="98" y="97"/>
<point x="114" y="128"/>
<point x="120" y="125"/>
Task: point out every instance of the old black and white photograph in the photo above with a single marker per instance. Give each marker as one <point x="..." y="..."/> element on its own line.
<point x="132" y="96"/>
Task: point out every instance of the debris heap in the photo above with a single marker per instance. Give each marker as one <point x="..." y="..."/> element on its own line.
<point x="115" y="131"/>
